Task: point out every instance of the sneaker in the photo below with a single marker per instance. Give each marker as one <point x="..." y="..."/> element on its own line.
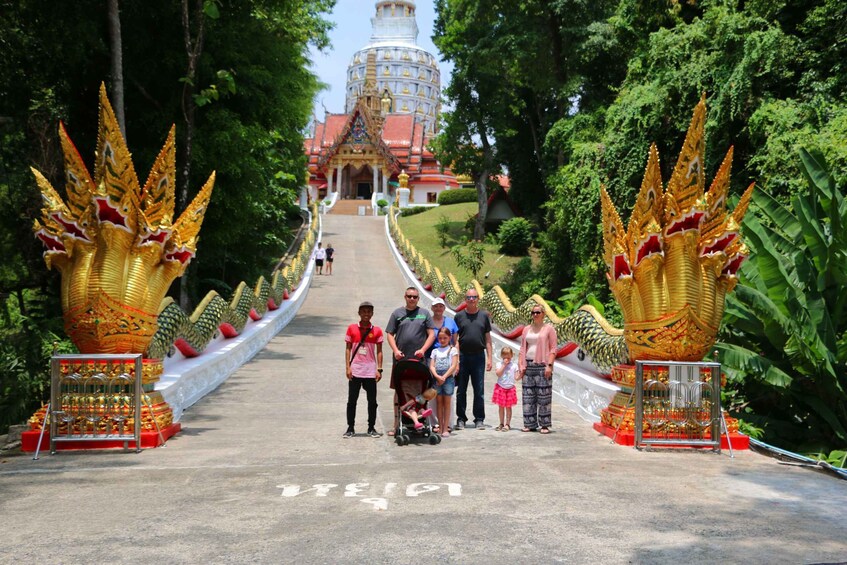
<point x="349" y="433"/>
<point x="460" y="424"/>
<point x="373" y="433"/>
<point x="480" y="425"/>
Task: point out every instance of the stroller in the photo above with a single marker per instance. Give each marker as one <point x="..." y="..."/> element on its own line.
<point x="410" y="379"/>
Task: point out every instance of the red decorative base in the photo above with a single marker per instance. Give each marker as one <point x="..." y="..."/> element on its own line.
<point x="626" y="437"/>
<point x="29" y="441"/>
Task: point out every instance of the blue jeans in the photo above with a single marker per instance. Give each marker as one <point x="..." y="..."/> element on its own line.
<point x="471" y="369"/>
<point x="447" y="388"/>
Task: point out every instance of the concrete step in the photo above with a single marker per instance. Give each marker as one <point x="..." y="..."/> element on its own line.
<point x="351" y="207"/>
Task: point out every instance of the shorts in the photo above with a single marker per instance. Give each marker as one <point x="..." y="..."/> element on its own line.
<point x="328" y="260"/>
<point x="447" y="388"/>
<point x="505" y="397"/>
<point x="319" y="262"/>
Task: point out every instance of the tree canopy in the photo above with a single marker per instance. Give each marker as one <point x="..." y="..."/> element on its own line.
<point x="232" y="76"/>
<point x="572" y="93"/>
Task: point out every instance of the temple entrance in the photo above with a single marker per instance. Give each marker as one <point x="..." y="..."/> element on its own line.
<point x="363" y="190"/>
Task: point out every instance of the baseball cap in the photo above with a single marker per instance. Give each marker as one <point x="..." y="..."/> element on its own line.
<point x="365" y="304"/>
<point x="438" y="300"/>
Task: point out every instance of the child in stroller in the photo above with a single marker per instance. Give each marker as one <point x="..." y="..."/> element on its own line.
<point x="411" y="380"/>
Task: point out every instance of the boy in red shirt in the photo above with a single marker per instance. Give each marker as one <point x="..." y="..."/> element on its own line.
<point x="363" y="358"/>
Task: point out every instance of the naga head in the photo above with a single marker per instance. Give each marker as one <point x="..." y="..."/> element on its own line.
<point x="115" y="243"/>
<point x="671" y="268"/>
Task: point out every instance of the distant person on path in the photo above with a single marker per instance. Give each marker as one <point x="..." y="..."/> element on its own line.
<point x="363" y="358"/>
<point x="474" y="341"/>
<point x="505" y="396"/>
<point x="535" y="368"/>
<point x="410" y="332"/>
<point x="443" y="365"/>
<point x="329" y="253"/>
<point x="442" y="321"/>
<point x="319" y="255"/>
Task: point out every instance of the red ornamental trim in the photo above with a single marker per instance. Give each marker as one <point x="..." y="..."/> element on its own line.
<point x="566" y="349"/>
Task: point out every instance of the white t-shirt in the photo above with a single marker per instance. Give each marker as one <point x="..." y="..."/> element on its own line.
<point x="443" y="358"/>
<point x="507" y="379"/>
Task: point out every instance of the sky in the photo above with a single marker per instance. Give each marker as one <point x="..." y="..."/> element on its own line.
<point x="352" y="31"/>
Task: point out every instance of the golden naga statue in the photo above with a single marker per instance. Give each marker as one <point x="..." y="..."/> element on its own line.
<point x="114" y="243"/>
<point x="671" y="268"/>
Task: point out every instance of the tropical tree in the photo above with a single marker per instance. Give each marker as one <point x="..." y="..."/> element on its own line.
<point x="785" y="341"/>
<point x="252" y="136"/>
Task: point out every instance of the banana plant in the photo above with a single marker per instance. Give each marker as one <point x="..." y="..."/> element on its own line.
<point x="784" y="343"/>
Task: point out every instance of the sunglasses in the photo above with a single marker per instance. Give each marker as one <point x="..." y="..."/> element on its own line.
<point x="471" y="297"/>
<point x="534" y="313"/>
<point x="410" y="297"/>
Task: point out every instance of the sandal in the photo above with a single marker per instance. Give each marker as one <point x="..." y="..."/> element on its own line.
<point x="390" y="433"/>
<point x="499" y="428"/>
<point x="506" y="428"/>
<point x="544" y="431"/>
<point x="529" y="430"/>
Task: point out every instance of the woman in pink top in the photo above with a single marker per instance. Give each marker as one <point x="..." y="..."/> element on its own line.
<point x="535" y="369"/>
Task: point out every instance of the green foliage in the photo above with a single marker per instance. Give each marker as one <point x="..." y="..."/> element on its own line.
<point x="515" y="236"/>
<point x="522" y="281"/>
<point x="255" y="97"/>
<point x="574" y="233"/>
<point x="382" y="202"/>
<point x="442" y="230"/>
<point x="749" y="429"/>
<point x="413" y="210"/>
<point x="589" y="288"/>
<point x="26" y="344"/>
<point x="785" y="342"/>
<point x="224" y="85"/>
<point x="419" y="230"/>
<point x="836" y="458"/>
<point x="764" y="98"/>
<point x="470" y="256"/>
<point x="457" y="195"/>
<point x="779" y="128"/>
<point x="470" y="224"/>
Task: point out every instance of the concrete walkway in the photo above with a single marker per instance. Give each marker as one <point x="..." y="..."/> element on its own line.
<point x="226" y="489"/>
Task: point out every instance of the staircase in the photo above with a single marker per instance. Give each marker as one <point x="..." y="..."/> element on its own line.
<point x="351" y="207"/>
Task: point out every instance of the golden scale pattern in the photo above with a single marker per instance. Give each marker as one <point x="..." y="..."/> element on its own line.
<point x="198" y="329"/>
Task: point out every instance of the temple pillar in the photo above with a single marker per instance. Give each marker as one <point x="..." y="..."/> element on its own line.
<point x="338" y="170"/>
<point x="304" y="197"/>
<point x="376" y="178"/>
<point x="384" y="182"/>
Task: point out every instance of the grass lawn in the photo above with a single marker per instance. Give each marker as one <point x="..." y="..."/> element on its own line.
<point x="420" y="229"/>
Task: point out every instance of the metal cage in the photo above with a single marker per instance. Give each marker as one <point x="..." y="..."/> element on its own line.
<point x="677" y="404"/>
<point x="94" y="398"/>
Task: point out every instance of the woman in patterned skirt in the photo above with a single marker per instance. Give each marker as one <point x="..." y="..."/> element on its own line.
<point x="535" y="369"/>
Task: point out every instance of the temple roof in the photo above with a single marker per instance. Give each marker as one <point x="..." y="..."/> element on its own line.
<point x="401" y="141"/>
